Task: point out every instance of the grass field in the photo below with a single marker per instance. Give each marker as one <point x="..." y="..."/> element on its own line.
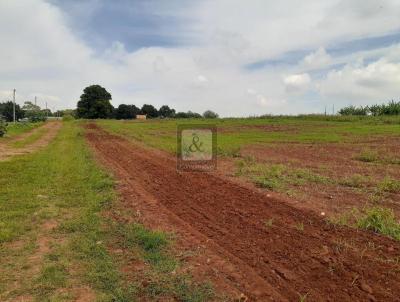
<point x="58" y="241"/>
<point x="234" y="134"/>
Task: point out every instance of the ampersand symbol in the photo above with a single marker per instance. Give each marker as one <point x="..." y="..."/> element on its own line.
<point x="196" y="146"/>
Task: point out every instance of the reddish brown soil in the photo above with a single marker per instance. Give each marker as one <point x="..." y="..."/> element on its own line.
<point x="226" y="222"/>
<point x="336" y="161"/>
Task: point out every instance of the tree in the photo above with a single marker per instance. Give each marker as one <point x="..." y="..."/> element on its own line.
<point x="3" y="126"/>
<point x="7" y="111"/>
<point x="352" y="110"/>
<point x="210" y="114"/>
<point x="165" y="111"/>
<point x="33" y="112"/>
<point x="126" y="112"/>
<point x="149" y="110"/>
<point x="95" y="103"/>
<point x="188" y="114"/>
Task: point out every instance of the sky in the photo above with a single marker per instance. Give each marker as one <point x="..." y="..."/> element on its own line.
<point x="235" y="57"/>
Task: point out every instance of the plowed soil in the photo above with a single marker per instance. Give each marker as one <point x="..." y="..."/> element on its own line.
<point x="298" y="253"/>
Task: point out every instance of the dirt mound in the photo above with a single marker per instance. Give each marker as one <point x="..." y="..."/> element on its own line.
<point x="260" y="246"/>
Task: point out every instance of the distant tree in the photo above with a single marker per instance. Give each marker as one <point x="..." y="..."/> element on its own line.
<point x="3" y="126"/>
<point x="352" y="110"/>
<point x="33" y="112"/>
<point x="210" y="114"/>
<point x="375" y="110"/>
<point x="392" y="108"/>
<point x="126" y="112"/>
<point x="149" y="110"/>
<point x="191" y="114"/>
<point x="95" y="103"/>
<point x="181" y="115"/>
<point x="7" y="111"/>
<point x="47" y="112"/>
<point x="166" y="112"/>
<point x="188" y="114"/>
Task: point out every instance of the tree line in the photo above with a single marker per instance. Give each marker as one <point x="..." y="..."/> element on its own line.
<point x="95" y="103"/>
<point x="391" y="108"/>
<point x="28" y="111"/>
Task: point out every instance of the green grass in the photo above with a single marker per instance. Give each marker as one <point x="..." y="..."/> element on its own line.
<point x="368" y="156"/>
<point x="389" y="185"/>
<point x="269" y="222"/>
<point x="19" y="128"/>
<point x="161" y="134"/>
<point x="380" y="220"/>
<point x="377" y="219"/>
<point x="62" y="183"/>
<point x="354" y="181"/>
<point x="276" y="177"/>
<point x="30" y="139"/>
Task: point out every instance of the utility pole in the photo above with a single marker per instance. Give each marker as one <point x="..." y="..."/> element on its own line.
<point x="35" y="100"/>
<point x="47" y="114"/>
<point x="325" y="110"/>
<point x="14" y="105"/>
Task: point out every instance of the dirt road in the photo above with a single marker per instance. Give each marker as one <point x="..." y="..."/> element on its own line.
<point x="248" y="242"/>
<point x="50" y="131"/>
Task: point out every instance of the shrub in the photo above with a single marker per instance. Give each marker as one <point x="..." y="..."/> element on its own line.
<point x="389" y="185"/>
<point x="354" y="181"/>
<point x="367" y="156"/>
<point x="3" y="127"/>
<point x="67" y="117"/>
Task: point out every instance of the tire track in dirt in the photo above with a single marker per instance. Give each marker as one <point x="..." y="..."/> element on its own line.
<point x="277" y="262"/>
<point x="52" y="128"/>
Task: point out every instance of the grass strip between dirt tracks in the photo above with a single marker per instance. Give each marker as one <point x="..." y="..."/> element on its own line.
<point x="19" y="128"/>
<point x="36" y="135"/>
<point x="59" y="242"/>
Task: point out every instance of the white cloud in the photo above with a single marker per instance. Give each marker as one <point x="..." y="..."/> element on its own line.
<point x="377" y="81"/>
<point x="318" y="59"/>
<point x="297" y="82"/>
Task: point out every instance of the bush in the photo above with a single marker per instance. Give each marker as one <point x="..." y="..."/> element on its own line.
<point x="368" y="156"/>
<point x="3" y="127"/>
<point x="67" y="117"/>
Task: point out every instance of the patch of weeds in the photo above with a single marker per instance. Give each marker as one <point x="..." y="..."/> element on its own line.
<point x="299" y="226"/>
<point x="153" y="245"/>
<point x="269" y="222"/>
<point x="348" y="218"/>
<point x="51" y="277"/>
<point x="392" y="160"/>
<point x="368" y="156"/>
<point x="306" y="175"/>
<point x="277" y="177"/>
<point x="380" y="220"/>
<point x="182" y="288"/>
<point x="229" y="152"/>
<point x="354" y="181"/>
<point x="389" y="185"/>
<point x="377" y="219"/>
<point x="302" y="298"/>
